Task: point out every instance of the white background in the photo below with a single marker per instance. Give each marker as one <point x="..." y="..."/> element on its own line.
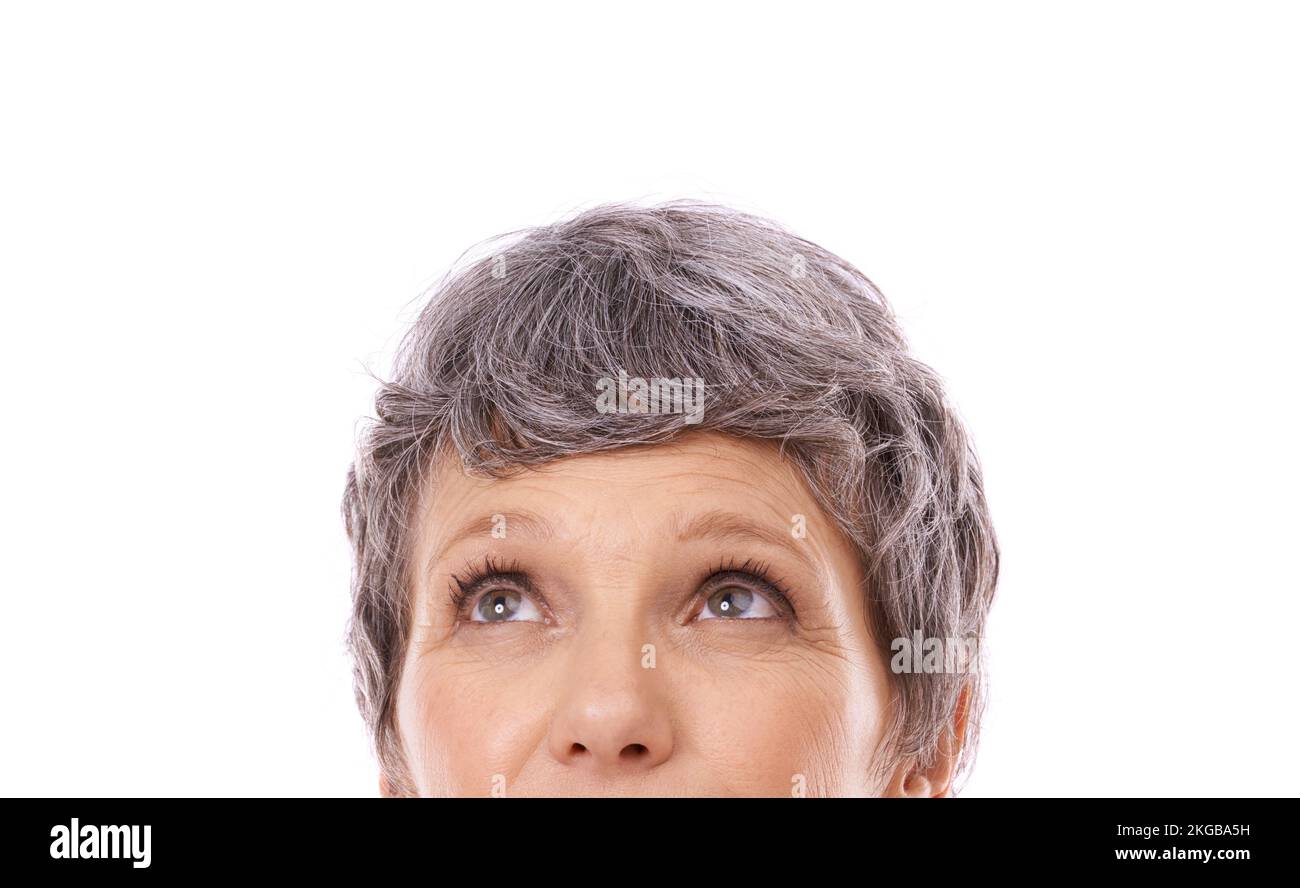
<point x="214" y="218"/>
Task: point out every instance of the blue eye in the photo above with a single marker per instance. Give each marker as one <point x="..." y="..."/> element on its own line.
<point x="505" y="605"/>
<point x="493" y="593"/>
<point x="732" y="601"/>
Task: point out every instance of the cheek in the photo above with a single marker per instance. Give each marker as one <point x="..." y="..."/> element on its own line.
<point x="770" y="726"/>
<point x="468" y="724"/>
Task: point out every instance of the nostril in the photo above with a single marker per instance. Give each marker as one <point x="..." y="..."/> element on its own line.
<point x="633" y="751"/>
<point x="577" y="749"/>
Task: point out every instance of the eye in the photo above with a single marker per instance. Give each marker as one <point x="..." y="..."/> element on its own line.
<point x="503" y="605"/>
<point x="492" y="593"/>
<point x="740" y="595"/>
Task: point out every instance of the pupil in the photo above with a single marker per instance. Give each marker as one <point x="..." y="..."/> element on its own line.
<point x="731" y="601"/>
<point x="499" y="606"/>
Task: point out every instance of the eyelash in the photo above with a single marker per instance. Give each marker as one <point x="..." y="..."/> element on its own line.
<point x="463" y="590"/>
<point x="757" y="573"/>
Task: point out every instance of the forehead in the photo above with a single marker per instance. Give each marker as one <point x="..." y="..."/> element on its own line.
<point x="702" y="483"/>
<point x="696" y="468"/>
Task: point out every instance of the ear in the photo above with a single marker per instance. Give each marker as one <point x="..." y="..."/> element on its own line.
<point x="935" y="782"/>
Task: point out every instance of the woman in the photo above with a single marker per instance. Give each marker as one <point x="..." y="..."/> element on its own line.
<point x="658" y="503"/>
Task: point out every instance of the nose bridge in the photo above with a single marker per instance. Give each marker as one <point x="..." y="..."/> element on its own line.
<point x="612" y="715"/>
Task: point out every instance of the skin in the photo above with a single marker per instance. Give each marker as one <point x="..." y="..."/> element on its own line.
<point x="626" y="670"/>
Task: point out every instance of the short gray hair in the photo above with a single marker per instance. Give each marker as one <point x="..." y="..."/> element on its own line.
<point x="796" y="346"/>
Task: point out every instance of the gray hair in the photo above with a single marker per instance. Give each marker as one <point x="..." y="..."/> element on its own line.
<point x="796" y="346"/>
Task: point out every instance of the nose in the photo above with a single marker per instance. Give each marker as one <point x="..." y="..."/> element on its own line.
<point x="612" y="718"/>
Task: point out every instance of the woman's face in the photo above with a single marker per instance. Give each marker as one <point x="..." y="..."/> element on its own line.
<point x="679" y="619"/>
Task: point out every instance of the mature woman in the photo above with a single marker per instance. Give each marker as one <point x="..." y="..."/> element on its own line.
<point x="658" y="503"/>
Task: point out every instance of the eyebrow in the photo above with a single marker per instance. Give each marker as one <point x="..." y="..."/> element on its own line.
<point x="716" y="524"/>
<point x="528" y="523"/>
<point x="723" y="526"/>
